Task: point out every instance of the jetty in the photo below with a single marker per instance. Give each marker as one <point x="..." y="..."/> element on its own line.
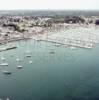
<point x="8" y="48"/>
<point x="81" y="37"/>
<point x="69" y="42"/>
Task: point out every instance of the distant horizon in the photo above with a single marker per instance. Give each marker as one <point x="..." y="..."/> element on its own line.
<point x="50" y="12"/>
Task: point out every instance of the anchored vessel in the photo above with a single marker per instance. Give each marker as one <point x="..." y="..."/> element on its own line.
<point x="6" y="72"/>
<point x="19" y="66"/>
<point x="4" y="64"/>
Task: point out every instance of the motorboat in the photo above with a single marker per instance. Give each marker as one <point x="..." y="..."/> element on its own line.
<point x="4" y="64"/>
<point x="7" y="72"/>
<point x="19" y="66"/>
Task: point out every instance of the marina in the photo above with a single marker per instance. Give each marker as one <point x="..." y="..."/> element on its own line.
<point x="65" y="66"/>
<point x="78" y="37"/>
<point x="49" y="55"/>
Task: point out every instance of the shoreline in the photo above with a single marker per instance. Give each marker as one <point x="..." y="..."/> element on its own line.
<point x="74" y="31"/>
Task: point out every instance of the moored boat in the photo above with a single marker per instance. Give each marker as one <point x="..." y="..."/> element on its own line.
<point x="4" y="64"/>
<point x="7" y="72"/>
<point x="19" y="66"/>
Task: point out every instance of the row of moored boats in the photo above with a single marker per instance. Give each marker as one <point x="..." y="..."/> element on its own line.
<point x="28" y="54"/>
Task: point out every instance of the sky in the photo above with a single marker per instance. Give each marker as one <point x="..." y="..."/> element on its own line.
<point x="49" y="4"/>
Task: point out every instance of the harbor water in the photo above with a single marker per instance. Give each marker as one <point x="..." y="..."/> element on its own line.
<point x="55" y="73"/>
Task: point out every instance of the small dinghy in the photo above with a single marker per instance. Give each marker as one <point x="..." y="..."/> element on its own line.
<point x="4" y="64"/>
